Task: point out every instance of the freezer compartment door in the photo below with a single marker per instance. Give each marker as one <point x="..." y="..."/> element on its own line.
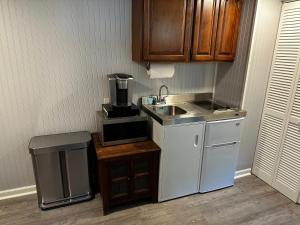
<point x="223" y="131"/>
<point x="218" y="166"/>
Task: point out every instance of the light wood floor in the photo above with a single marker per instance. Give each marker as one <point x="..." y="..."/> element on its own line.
<point x="250" y="201"/>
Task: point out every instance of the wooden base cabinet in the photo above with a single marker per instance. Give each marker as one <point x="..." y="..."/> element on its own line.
<point x="129" y="179"/>
<point x="127" y="173"/>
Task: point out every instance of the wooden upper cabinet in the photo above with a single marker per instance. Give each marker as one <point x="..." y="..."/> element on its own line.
<point x="184" y="30"/>
<point x="205" y="26"/>
<point x="228" y="29"/>
<point x="166" y="32"/>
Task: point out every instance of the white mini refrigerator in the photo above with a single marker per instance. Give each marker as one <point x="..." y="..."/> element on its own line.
<point x="220" y="153"/>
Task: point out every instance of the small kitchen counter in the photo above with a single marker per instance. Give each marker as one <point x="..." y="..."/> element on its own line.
<point x="194" y="111"/>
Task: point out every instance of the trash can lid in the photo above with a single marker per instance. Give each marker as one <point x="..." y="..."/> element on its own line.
<point x="59" y="142"/>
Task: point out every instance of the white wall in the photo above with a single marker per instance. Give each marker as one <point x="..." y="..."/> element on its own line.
<point x="231" y="75"/>
<point x="54" y="57"/>
<point x="260" y="59"/>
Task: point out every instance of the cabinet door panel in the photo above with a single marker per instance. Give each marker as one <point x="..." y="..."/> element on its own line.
<point x="167" y="29"/>
<point x="228" y="27"/>
<point x="119" y="179"/>
<point x="141" y="165"/>
<point x="142" y="184"/>
<point x="142" y="172"/>
<point x="119" y="188"/>
<point x="205" y="26"/>
<point x="180" y="161"/>
<point x="119" y="169"/>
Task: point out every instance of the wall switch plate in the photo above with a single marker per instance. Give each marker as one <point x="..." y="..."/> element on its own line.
<point x="106" y="100"/>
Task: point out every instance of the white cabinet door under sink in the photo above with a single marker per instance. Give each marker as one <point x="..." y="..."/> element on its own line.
<point x="218" y="166"/>
<point x="180" y="160"/>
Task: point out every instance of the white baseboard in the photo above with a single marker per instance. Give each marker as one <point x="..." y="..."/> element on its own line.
<point x="17" y="192"/>
<point x="242" y="173"/>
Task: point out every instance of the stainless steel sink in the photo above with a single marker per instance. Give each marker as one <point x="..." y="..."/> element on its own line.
<point x="188" y="108"/>
<point x="168" y="110"/>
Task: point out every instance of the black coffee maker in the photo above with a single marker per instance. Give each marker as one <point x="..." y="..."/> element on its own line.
<point x="121" y="105"/>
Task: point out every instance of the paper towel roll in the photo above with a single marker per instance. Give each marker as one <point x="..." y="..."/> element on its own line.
<point x="159" y="70"/>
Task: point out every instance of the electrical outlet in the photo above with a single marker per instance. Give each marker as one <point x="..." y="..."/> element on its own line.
<point x="106" y="100"/>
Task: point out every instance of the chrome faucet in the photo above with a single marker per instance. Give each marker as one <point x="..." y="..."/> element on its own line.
<point x="160" y="98"/>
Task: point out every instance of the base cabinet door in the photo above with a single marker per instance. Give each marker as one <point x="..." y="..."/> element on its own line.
<point x="119" y="181"/>
<point x="180" y="160"/>
<point x="130" y="179"/>
<point x="142" y="172"/>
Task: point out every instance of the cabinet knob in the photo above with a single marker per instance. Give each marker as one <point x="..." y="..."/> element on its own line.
<point x="237" y="124"/>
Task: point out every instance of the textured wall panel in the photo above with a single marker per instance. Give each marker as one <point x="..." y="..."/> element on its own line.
<point x="54" y="57"/>
<point x="231" y="76"/>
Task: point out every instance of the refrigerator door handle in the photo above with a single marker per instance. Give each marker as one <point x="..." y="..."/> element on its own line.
<point x="223" y="144"/>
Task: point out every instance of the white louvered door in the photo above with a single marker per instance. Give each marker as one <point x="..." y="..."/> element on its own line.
<point x="278" y="97"/>
<point x="287" y="175"/>
<point x="277" y="158"/>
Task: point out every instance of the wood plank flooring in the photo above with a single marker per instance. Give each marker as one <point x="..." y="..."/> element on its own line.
<point x="249" y="202"/>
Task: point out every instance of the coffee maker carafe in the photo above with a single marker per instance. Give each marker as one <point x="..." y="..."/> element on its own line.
<point x="120" y="89"/>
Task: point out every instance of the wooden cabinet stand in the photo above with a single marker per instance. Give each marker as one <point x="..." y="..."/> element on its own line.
<point x="127" y="173"/>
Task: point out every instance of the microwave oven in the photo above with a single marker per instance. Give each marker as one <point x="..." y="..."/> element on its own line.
<point x="123" y="130"/>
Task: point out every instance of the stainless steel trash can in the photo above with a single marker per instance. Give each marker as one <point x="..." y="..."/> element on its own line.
<point x="60" y="164"/>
